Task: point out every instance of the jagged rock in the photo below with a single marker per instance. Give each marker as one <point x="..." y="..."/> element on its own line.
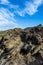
<point x="22" y="46"/>
<point x="35" y="50"/>
<point x="41" y="52"/>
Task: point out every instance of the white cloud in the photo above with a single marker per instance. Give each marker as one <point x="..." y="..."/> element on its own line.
<point x="9" y="4"/>
<point x="4" y="2"/>
<point x="30" y="7"/>
<point x="21" y="13"/>
<point x="7" y="19"/>
<point x="37" y="2"/>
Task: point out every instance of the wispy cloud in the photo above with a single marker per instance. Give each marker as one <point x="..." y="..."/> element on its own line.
<point x="7" y="16"/>
<point x="4" y="2"/>
<point x="7" y="19"/>
<point x="31" y="7"/>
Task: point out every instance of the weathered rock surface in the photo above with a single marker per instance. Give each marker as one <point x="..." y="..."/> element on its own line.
<point x="22" y="46"/>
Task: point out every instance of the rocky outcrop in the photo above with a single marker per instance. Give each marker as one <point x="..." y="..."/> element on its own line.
<point x="22" y="46"/>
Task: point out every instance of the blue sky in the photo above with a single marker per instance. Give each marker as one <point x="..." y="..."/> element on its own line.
<point x="20" y="13"/>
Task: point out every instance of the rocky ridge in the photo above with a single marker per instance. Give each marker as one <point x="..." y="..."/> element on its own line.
<point x="22" y="46"/>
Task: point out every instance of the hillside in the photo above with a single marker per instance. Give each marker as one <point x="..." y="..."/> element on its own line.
<point x="22" y="46"/>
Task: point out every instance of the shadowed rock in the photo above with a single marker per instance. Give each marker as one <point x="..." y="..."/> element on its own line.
<point x="22" y="46"/>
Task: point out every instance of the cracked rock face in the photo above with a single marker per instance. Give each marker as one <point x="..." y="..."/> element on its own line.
<point x="22" y="46"/>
